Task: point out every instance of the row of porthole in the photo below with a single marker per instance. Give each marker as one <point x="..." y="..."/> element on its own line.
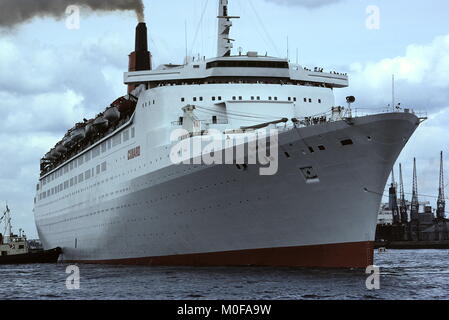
<point x="234" y="98"/>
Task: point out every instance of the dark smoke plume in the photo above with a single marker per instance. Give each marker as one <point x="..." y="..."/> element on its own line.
<point x="14" y="12"/>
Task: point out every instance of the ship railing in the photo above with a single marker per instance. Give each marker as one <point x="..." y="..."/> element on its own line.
<point x="341" y="113"/>
<point x="362" y="112"/>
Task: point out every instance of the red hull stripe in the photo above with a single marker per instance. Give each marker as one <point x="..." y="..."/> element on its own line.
<point x="345" y="255"/>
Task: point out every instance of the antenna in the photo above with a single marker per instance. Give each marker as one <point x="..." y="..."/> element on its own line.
<point x="441" y="203"/>
<point x="392" y="95"/>
<point x="185" y="35"/>
<point x="402" y="203"/>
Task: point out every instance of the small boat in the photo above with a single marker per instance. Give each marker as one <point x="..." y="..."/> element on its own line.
<point x="14" y="249"/>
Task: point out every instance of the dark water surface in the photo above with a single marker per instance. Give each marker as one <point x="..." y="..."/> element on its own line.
<point x="416" y="274"/>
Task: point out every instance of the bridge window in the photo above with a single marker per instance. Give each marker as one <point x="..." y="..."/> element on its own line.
<point x="248" y="64"/>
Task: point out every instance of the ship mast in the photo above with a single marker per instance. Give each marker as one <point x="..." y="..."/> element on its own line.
<point x="224" y="46"/>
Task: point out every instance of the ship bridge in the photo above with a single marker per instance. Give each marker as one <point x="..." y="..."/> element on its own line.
<point x="234" y="69"/>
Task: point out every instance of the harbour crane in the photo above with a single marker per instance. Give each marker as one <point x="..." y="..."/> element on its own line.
<point x="394" y="201"/>
<point x="441" y="203"/>
<point x="402" y="203"/>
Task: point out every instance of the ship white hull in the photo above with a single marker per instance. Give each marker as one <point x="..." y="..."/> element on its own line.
<point x="220" y="215"/>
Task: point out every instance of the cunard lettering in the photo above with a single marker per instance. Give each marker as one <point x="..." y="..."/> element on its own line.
<point x="134" y="153"/>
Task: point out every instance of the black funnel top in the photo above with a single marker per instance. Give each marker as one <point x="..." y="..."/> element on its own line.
<point x="141" y="37"/>
<point x="143" y="59"/>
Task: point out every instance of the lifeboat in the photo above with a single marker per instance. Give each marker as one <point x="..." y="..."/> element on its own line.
<point x="67" y="141"/>
<point x="112" y="114"/>
<point x="52" y="155"/>
<point x="100" y="123"/>
<point x="60" y="148"/>
<point x="89" y="128"/>
<point x="125" y="105"/>
<point x="78" y="133"/>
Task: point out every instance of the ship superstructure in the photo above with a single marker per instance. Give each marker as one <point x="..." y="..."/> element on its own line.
<point x="110" y="193"/>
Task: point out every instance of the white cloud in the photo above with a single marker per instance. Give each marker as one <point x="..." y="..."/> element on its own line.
<point x="45" y="89"/>
<point x="422" y="83"/>
<point x="421" y="74"/>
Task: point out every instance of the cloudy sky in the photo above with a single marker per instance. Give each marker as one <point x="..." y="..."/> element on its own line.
<point x="52" y="76"/>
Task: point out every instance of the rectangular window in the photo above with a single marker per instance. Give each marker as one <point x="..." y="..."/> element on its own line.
<point x="81" y="178"/>
<point x="305" y="99"/>
<point x="87" y="175"/>
<point x="125" y="135"/>
<point x="347" y="142"/>
<point x="213" y="98"/>
<point x="116" y="140"/>
<point x="71" y="166"/>
<point x="219" y="98"/>
<point x="71" y="182"/>
<point x="103" y="167"/>
<point x="319" y="100"/>
<point x="194" y="98"/>
<point x="87" y="157"/>
<point x="183" y="99"/>
<point x="98" y="169"/>
<point x="80" y="161"/>
<point x="109" y="144"/>
<point x="103" y="147"/>
<point x="96" y="152"/>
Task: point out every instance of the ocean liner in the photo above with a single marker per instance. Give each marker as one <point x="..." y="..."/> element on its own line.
<point x="110" y="192"/>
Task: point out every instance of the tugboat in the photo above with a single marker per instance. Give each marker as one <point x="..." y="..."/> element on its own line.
<point x="14" y="249"/>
